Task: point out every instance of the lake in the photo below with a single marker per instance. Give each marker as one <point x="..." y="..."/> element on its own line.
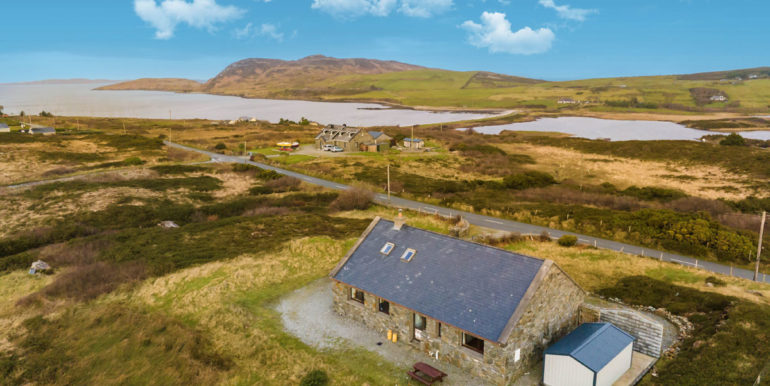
<point x="615" y="130"/>
<point x="79" y="99"/>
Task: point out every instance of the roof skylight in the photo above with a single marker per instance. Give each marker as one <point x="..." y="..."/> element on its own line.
<point x="387" y="248"/>
<point x="408" y="255"/>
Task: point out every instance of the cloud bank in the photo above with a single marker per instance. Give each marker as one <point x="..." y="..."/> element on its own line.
<point x="167" y="15"/>
<point x="495" y="34"/>
<point x="350" y="9"/>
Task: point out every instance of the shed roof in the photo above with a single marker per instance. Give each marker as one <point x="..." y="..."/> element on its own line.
<point x="3" y="125"/>
<point x="42" y="130"/>
<point x="376" y="134"/>
<point x="473" y="287"/>
<point x="592" y="344"/>
<point x="412" y="140"/>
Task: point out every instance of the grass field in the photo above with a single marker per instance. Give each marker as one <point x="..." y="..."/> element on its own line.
<point x="136" y="303"/>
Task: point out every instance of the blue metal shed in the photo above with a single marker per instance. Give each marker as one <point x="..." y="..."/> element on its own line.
<point x="593" y="354"/>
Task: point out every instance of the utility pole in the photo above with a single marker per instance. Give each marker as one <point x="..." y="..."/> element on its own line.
<point x="759" y="246"/>
<point x="411" y="144"/>
<point x="388" y="181"/>
<point x="124" y="127"/>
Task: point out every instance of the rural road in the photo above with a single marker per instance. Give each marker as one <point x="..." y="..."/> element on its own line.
<point x="496" y="223"/>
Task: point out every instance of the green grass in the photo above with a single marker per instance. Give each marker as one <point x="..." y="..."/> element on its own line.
<point x="292" y="159"/>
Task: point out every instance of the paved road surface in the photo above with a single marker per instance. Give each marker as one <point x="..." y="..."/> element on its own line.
<point x="497" y="223"/>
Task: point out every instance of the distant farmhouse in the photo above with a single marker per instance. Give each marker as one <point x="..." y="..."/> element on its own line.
<point x="352" y="139"/>
<point x="42" y="130"/>
<point x="566" y="101"/>
<point x="486" y="310"/>
<point x="4" y="128"/>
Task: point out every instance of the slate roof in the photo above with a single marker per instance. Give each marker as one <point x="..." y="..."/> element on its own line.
<point x="470" y="286"/>
<point x="376" y="134"/>
<point x="38" y="130"/>
<point x="592" y="344"/>
<point x="412" y="140"/>
<point x="342" y="134"/>
<point x="3" y="126"/>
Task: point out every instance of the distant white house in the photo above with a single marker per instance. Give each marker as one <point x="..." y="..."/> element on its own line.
<point x="42" y="130"/>
<point x="718" y="98"/>
<point x="4" y="128"/>
<point x="753" y="76"/>
<point x="567" y="101"/>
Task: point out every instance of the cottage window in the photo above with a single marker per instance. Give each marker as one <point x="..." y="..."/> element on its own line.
<point x="357" y="295"/>
<point x="387" y="248"/>
<point x="384" y="306"/>
<point x="438" y="329"/>
<point x="473" y="343"/>
<point x="419" y="326"/>
<point x="408" y="255"/>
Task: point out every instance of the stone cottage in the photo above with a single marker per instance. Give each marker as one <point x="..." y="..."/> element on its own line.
<point x="483" y="309"/>
<point x="352" y="139"/>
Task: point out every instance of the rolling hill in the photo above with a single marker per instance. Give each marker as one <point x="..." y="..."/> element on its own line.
<point x="330" y="79"/>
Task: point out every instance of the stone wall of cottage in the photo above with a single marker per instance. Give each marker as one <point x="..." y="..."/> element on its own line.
<point x="552" y="313"/>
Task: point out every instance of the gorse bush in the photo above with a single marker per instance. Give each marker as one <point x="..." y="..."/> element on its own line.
<point x="353" y="198"/>
<point x="733" y="139"/>
<point x="315" y="378"/>
<point x="526" y="180"/>
<point x="177" y="169"/>
<point x="568" y="241"/>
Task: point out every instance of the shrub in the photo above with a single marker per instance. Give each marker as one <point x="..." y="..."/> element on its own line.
<point x="717" y="282"/>
<point x="531" y="179"/>
<point x="651" y="193"/>
<point x="283" y="184"/>
<point x="133" y="161"/>
<point x="733" y="139"/>
<point x="568" y="241"/>
<point x="353" y="198"/>
<point x="315" y="378"/>
<point x="177" y="169"/>
<point x="220" y="146"/>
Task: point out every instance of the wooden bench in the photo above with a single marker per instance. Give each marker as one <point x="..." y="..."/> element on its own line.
<point x="426" y="374"/>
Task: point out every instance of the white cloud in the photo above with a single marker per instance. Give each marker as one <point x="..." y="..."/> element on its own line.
<point x="356" y="8"/>
<point x="164" y="17"/>
<point x="495" y="34"/>
<point x="270" y="30"/>
<point x="567" y="12"/>
<point x="424" y="8"/>
<point x="266" y="29"/>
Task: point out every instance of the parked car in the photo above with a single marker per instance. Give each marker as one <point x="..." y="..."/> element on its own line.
<point x="336" y="149"/>
<point x="327" y="147"/>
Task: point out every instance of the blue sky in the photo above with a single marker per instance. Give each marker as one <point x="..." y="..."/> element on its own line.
<point x="548" y="39"/>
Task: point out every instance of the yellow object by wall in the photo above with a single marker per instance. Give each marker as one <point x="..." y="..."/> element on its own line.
<point x="395" y="337"/>
<point x="390" y="334"/>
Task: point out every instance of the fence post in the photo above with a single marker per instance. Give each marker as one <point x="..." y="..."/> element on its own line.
<point x="696" y="263"/>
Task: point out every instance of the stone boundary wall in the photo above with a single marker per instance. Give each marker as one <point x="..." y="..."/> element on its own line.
<point x="647" y="331"/>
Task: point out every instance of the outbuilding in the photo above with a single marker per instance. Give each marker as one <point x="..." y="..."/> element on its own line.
<point x="42" y="130"/>
<point x="4" y="128"/>
<point x="413" y="143"/>
<point x="593" y="354"/>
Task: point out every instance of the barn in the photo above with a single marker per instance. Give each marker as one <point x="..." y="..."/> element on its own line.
<point x="593" y="354"/>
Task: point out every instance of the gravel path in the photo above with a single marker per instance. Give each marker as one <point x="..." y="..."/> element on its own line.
<point x="307" y="313"/>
